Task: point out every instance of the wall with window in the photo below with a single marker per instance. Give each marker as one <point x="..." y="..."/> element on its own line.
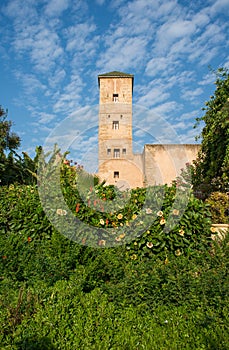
<point x="122" y="173"/>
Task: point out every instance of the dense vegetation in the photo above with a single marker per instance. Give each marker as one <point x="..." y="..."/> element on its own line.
<point x="212" y="166"/>
<point x="159" y="291"/>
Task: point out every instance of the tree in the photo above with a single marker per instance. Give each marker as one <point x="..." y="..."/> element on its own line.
<point x="9" y="142"/>
<point x="212" y="164"/>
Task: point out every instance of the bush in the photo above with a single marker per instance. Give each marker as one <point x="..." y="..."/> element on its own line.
<point x="219" y="207"/>
<point x="188" y="233"/>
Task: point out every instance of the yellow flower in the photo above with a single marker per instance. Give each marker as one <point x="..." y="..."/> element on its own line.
<point x="61" y="212"/>
<point x="140" y="223"/>
<point x="127" y="223"/>
<point x="149" y="244"/>
<point x="134" y="216"/>
<point x="178" y="252"/>
<point x="176" y="212"/>
<point x="181" y="233"/>
<point x="160" y="213"/>
<point x="102" y="242"/>
<point x="135" y="243"/>
<point x="134" y="257"/>
<point x="213" y="229"/>
<point x="148" y="211"/>
<point x="148" y="232"/>
<point x="118" y="239"/>
<point x="101" y="221"/>
<point x="166" y="261"/>
<point x="120" y="216"/>
<point x="162" y="221"/>
<point x="122" y="235"/>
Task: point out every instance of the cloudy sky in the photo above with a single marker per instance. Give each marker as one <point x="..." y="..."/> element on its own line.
<point x="53" y="50"/>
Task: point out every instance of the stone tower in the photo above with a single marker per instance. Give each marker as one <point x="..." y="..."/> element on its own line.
<point x="117" y="163"/>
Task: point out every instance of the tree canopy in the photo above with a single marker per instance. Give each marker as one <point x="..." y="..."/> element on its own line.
<point x="9" y="141"/>
<point x="212" y="164"/>
<point x="13" y="167"/>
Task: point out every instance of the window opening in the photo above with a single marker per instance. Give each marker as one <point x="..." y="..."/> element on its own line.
<point x="115" y="125"/>
<point x="116" y="174"/>
<point x="116" y="153"/>
<point x="115" y="97"/>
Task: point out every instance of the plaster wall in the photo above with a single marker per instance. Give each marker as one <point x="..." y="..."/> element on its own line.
<point x="163" y="163"/>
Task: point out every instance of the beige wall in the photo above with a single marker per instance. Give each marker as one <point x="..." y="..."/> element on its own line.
<point x="163" y="163"/>
<point x="109" y="86"/>
<point x="130" y="173"/>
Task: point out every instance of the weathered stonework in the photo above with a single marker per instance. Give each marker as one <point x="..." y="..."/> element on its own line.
<point x="158" y="164"/>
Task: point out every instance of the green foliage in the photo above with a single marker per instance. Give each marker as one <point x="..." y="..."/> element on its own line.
<point x="219" y="207"/>
<point x="9" y="141"/>
<point x="190" y="235"/>
<point x="109" y="303"/>
<point x="213" y="160"/>
<point x="58" y="294"/>
<point x="13" y="167"/>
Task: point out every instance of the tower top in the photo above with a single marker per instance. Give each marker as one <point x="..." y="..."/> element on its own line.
<point x="115" y="74"/>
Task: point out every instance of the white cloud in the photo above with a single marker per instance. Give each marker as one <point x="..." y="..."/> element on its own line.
<point x="219" y="6"/>
<point x="124" y="53"/>
<point x="171" y="31"/>
<point x="100" y="2"/>
<point x="56" y="7"/>
<point x="57" y="77"/>
<point x="30" y="83"/>
<point x="160" y="65"/>
<point x="78" y="36"/>
<point x="166" y="108"/>
<point x="45" y="118"/>
<point x="20" y="9"/>
<point x="191" y="95"/>
<point x="153" y="96"/>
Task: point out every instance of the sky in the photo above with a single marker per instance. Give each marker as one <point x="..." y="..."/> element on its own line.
<point x="52" y="51"/>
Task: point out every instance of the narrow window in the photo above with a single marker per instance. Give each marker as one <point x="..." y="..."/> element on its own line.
<point x="115" y="125"/>
<point x="124" y="151"/>
<point x="108" y="151"/>
<point x="116" y="153"/>
<point x="108" y="116"/>
<point x="115" y="97"/>
<point x="116" y="174"/>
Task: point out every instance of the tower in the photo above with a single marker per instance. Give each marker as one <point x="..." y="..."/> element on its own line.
<point x="116" y="159"/>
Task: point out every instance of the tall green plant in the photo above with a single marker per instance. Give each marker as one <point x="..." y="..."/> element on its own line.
<point x="212" y="165"/>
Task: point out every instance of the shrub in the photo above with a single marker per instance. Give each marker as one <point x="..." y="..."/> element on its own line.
<point x="189" y="235"/>
<point x="219" y="207"/>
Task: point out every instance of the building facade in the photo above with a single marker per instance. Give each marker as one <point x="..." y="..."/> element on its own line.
<point x="118" y="165"/>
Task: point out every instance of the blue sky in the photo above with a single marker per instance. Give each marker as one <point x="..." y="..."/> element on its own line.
<point x="53" y="50"/>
